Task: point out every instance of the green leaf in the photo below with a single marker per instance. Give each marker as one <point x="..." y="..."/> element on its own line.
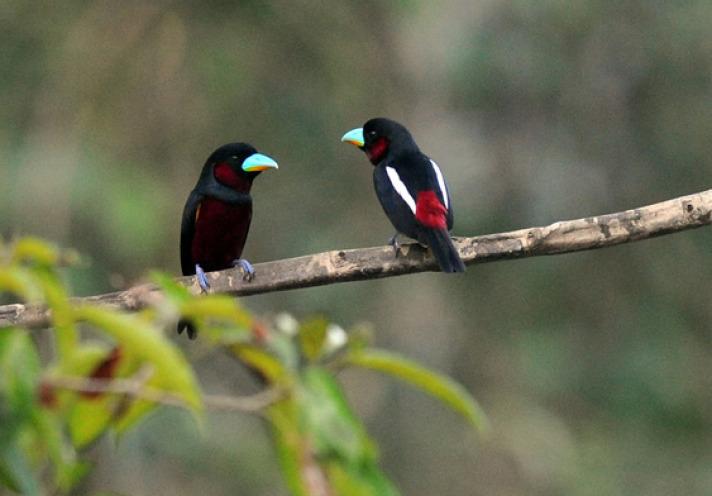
<point x="171" y="289"/>
<point x="87" y="418"/>
<point x="216" y="335"/>
<point x="443" y="388"/>
<point x="83" y="359"/>
<point x="144" y="342"/>
<point x="331" y="422"/>
<point x="8" y="478"/>
<point x="29" y="249"/>
<point x="57" y="299"/>
<point x="215" y="307"/>
<point x="19" y="371"/>
<point x="135" y="412"/>
<point x="90" y="418"/>
<point x="257" y="358"/>
<point x="312" y="334"/>
<point x="317" y="430"/>
<point x="361" y="480"/>
<point x="16" y="473"/>
<point x="68" y="471"/>
<point x="289" y="443"/>
<point x="19" y="281"/>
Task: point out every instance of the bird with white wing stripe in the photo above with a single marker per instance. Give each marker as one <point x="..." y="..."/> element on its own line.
<point x="410" y="187"/>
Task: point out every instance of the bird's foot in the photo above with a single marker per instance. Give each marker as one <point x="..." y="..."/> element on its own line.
<point x="202" y="278"/>
<point x="393" y="241"/>
<point x="248" y="271"/>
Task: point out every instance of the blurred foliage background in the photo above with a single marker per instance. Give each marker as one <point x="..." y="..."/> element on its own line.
<point x="594" y="368"/>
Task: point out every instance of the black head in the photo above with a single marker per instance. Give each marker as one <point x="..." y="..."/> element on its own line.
<point x="383" y="137"/>
<point x="236" y="165"/>
<point x="233" y="153"/>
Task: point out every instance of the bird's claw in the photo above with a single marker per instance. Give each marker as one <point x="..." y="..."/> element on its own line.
<point x="248" y="271"/>
<point x="202" y="278"/>
<point x="393" y="241"/>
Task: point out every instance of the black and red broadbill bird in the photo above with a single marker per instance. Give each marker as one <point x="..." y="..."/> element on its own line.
<point x="410" y="187"/>
<point x="217" y="215"/>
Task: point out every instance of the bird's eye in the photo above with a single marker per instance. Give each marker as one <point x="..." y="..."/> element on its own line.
<point x="372" y="134"/>
<point x="234" y="157"/>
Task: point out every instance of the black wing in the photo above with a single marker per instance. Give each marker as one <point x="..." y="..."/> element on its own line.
<point x="187" y="231"/>
<point x="442" y="189"/>
<point x="397" y="209"/>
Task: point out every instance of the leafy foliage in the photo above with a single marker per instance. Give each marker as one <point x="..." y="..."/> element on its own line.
<point x="111" y="368"/>
<point x="441" y="387"/>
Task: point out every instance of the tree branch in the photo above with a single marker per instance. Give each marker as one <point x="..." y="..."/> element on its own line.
<point x="330" y="267"/>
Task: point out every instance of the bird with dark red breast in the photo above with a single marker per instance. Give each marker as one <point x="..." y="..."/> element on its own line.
<point x="217" y="215"/>
<point x="410" y="187"/>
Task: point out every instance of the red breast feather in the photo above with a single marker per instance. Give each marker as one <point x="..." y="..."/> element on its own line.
<point x="220" y="233"/>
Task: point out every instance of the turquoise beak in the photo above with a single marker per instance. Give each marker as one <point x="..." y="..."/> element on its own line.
<point x="258" y="162"/>
<point x="355" y="137"/>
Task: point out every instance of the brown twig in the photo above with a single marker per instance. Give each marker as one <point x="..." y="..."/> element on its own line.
<point x="687" y="212"/>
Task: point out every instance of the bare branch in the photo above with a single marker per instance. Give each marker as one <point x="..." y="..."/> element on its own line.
<point x="330" y="267"/>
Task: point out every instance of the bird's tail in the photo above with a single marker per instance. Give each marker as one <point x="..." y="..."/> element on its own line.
<point x="190" y="329"/>
<point x="445" y="252"/>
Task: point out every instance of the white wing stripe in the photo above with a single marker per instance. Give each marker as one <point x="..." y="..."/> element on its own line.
<point x="441" y="183"/>
<point x="400" y="187"/>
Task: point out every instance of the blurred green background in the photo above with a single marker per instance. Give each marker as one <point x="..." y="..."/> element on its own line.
<point x="594" y="367"/>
